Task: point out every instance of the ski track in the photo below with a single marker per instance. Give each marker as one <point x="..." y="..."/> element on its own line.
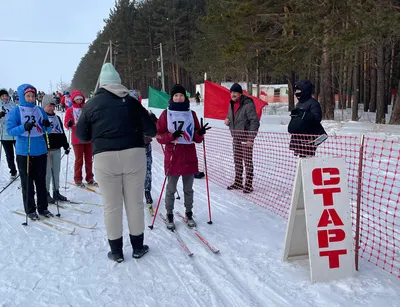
<point x="40" y="266"/>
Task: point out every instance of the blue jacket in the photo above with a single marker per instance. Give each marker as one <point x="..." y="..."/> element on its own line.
<point x="16" y="128"/>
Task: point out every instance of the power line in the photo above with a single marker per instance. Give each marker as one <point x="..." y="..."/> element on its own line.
<point x="42" y="42"/>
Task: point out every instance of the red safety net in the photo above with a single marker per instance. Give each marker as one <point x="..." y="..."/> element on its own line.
<point x="275" y="163"/>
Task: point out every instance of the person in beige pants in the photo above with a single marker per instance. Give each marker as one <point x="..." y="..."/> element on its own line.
<point x="121" y="175"/>
<point x="115" y="123"/>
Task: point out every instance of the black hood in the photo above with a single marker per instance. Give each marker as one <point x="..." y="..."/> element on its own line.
<point x="306" y="89"/>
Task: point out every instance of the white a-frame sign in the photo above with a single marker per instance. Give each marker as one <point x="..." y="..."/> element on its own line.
<point x="319" y="226"/>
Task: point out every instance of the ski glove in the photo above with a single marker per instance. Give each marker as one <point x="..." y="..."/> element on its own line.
<point x="177" y="134"/>
<point x="2" y="114"/>
<point x="203" y="128"/>
<point x="28" y="126"/>
<point x="69" y="124"/>
<point x="46" y="123"/>
<point x="294" y="112"/>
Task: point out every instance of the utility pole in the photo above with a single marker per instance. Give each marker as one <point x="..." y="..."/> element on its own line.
<point x="111" y="51"/>
<point x="161" y="60"/>
<point x="98" y="79"/>
<point x="162" y="69"/>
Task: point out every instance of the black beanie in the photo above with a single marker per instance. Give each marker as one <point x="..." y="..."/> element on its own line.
<point x="177" y="88"/>
<point x="3" y="92"/>
<point x="236" y="88"/>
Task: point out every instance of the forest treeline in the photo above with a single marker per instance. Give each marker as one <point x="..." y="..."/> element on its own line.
<point x="348" y="48"/>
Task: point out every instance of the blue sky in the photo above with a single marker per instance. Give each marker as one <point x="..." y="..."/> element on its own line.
<point x="46" y="20"/>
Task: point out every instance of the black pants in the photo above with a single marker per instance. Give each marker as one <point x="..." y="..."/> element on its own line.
<point x="242" y="153"/>
<point x="9" y="149"/>
<point x="37" y="174"/>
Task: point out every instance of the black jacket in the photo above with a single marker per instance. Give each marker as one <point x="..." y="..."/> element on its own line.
<point x="307" y="116"/>
<point x="114" y="123"/>
<point x="58" y="140"/>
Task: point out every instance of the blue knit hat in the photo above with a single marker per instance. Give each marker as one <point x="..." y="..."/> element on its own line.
<point x="109" y="75"/>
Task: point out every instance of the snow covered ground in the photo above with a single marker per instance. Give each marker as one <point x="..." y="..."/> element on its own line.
<point x="42" y="267"/>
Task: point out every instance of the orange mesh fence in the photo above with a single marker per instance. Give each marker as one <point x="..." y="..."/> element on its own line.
<point x="275" y="158"/>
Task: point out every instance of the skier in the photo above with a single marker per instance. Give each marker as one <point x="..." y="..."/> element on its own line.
<point x="81" y="150"/>
<point x="57" y="139"/>
<point x="149" y="158"/>
<point x="66" y="101"/>
<point x="28" y="123"/>
<point x="7" y="141"/>
<point x="305" y="124"/>
<point x="177" y="128"/>
<point x="116" y="123"/>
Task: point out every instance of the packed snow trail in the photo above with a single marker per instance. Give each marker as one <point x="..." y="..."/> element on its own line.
<point x="42" y="267"/>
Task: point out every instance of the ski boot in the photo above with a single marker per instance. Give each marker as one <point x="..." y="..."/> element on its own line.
<point x="170" y="221"/>
<point x="93" y="183"/>
<point x="34" y="216"/>
<point x="58" y="196"/>
<point x="190" y="221"/>
<point x="46" y="213"/>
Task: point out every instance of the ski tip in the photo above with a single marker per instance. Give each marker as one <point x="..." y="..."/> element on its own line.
<point x="151" y="227"/>
<point x="209" y="222"/>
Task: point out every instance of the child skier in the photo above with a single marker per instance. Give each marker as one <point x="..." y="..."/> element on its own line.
<point x="81" y="150"/>
<point x="57" y="139"/>
<point x="178" y="128"/>
<point x="28" y="123"/>
<point x="7" y="141"/>
<point x="149" y="157"/>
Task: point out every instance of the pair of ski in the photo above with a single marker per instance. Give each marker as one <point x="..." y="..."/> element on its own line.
<point x="47" y="222"/>
<point x="86" y="188"/>
<point x="195" y="232"/>
<point x="64" y="205"/>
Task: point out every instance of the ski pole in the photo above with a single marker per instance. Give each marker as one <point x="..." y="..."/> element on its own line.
<point x="10" y="183"/>
<point x="66" y="171"/>
<point x="27" y="180"/>
<point x="52" y="172"/>
<point x="1" y="139"/>
<point x="208" y="189"/>
<point x="162" y="189"/>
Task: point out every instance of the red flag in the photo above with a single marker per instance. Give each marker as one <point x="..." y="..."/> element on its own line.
<point x="217" y="98"/>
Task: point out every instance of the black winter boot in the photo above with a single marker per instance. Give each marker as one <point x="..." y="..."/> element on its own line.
<point x="137" y="245"/>
<point x="58" y="196"/>
<point x="116" y="253"/>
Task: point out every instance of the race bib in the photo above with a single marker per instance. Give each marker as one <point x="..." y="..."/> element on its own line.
<point x="55" y="124"/>
<point x="33" y="115"/>
<point x="77" y="113"/>
<point x="181" y="120"/>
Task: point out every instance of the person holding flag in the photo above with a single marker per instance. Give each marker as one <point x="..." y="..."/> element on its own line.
<point x="28" y="123"/>
<point x="179" y="129"/>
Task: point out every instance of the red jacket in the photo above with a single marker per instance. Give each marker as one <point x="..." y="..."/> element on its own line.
<point x="70" y="115"/>
<point x="184" y="160"/>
